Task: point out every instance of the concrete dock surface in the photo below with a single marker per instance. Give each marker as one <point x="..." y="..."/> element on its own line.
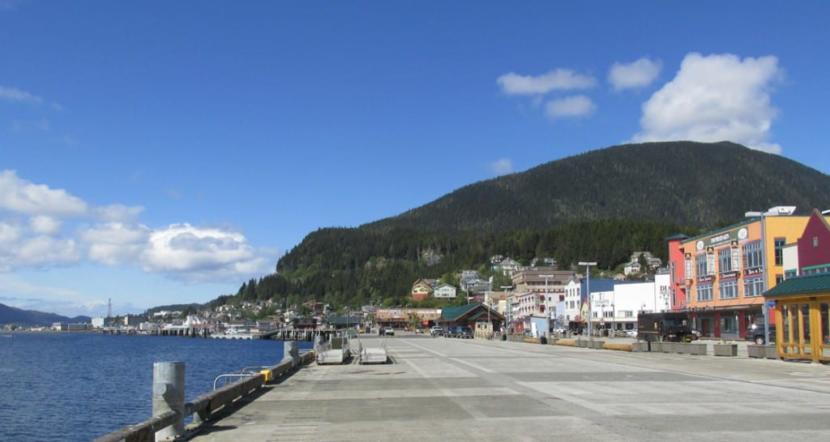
<point x="450" y="389"/>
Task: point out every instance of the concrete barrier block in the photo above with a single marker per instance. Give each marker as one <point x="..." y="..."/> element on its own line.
<point x="597" y="345"/>
<point x="770" y="351"/>
<point x="656" y="347"/>
<point x="696" y="349"/>
<point x="639" y="347"/>
<point x="726" y="349"/>
<point x="618" y="346"/>
<point x="667" y="347"/>
<point x="756" y="351"/>
<point x="567" y="342"/>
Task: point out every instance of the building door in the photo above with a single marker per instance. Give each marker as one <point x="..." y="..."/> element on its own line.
<point x="824" y="328"/>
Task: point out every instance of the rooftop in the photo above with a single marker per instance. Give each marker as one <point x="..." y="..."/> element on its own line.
<point x="804" y="285"/>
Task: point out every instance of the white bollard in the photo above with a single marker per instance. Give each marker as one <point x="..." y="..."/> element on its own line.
<point x="168" y="395"/>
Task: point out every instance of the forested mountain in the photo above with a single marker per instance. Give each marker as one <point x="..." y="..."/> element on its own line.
<point x="601" y="205"/>
<point x="13" y="315"/>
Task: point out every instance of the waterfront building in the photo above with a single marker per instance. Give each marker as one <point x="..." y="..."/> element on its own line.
<point x="404" y="317"/>
<point x="444" y="291"/>
<point x="618" y="308"/>
<point x="727" y="270"/>
<point x="576" y="299"/>
<point x="482" y="320"/>
<point x="802" y="312"/>
<point x="676" y="268"/>
<point x="98" y="322"/>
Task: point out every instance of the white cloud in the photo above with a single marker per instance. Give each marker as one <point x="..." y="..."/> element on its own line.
<point x="45" y="225"/>
<point x="15" y="95"/>
<point x="557" y="79"/>
<point x="502" y="166"/>
<point x="636" y="74"/>
<point x="22" y="196"/>
<point x="119" y="212"/>
<point x="200" y="253"/>
<point x="114" y="237"/>
<point x="715" y="98"/>
<point x="9" y="234"/>
<point x="115" y="243"/>
<point x="44" y="251"/>
<point x="569" y="107"/>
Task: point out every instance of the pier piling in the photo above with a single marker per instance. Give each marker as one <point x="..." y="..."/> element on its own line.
<point x="168" y="395"/>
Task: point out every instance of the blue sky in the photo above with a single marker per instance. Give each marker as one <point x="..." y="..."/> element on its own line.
<point x="163" y="152"/>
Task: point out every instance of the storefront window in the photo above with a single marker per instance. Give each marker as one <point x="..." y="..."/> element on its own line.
<point x="729" y="324"/>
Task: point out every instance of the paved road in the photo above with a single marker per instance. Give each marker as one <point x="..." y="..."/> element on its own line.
<point x="447" y="389"/>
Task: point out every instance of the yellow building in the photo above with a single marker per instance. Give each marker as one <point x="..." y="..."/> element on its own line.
<point x="801" y="312"/>
<point x="728" y="270"/>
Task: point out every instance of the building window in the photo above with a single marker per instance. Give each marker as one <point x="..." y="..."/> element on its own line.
<point x="607" y="314"/>
<point x="700" y="260"/>
<point x="725" y="260"/>
<point x="815" y="241"/>
<point x="628" y="313"/>
<point x="728" y="290"/>
<point x="754" y="287"/>
<point x="753" y="255"/>
<point x="688" y="268"/>
<point x="704" y="292"/>
<point x="790" y="274"/>
<point x="729" y="324"/>
<point x="779" y="251"/>
<point x="778" y="279"/>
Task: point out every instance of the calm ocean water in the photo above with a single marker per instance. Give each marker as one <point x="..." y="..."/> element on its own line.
<point x="77" y="386"/>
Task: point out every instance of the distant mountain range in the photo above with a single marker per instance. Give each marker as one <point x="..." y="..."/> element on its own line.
<point x="13" y="315"/>
<point x="601" y="205"/>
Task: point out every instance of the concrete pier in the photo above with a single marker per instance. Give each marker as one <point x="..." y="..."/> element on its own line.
<point x="450" y="389"/>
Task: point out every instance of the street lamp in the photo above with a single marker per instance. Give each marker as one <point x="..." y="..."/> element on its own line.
<point x="507" y="308"/>
<point x="764" y="306"/>
<point x="547" y="298"/>
<point x="588" y="265"/>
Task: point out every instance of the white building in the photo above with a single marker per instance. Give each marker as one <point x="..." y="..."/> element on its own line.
<point x="97" y="322"/>
<point x="573" y="301"/>
<point x="618" y="308"/>
<point x="445" y="291"/>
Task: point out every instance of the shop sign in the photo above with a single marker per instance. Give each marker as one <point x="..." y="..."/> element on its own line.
<point x="726" y="237"/>
<point x="707" y="278"/>
<point x="753" y="272"/>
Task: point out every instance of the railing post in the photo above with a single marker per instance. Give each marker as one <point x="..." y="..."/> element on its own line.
<point x="291" y="351"/>
<point x="168" y="395"/>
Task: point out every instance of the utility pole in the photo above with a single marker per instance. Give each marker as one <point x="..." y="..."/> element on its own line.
<point x="588" y="265"/>
<point x="547" y="298"/>
<point x="508" y="308"/>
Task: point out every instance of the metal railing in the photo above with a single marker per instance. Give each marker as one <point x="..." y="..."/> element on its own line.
<point x="208" y="404"/>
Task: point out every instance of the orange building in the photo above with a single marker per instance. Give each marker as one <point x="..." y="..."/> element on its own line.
<point x="727" y="270"/>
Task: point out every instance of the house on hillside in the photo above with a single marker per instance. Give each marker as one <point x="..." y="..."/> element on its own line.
<point x="507" y="266"/>
<point x="633" y="266"/>
<point x="422" y="289"/>
<point x="444" y="291"/>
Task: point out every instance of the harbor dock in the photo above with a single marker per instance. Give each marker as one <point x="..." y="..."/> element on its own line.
<point x="453" y="389"/>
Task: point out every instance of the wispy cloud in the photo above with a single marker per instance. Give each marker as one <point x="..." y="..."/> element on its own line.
<point x="502" y="166"/>
<point x="634" y="75"/>
<point x="570" y="107"/>
<point x="15" y="95"/>
<point x="555" y="80"/>
<point x="718" y="97"/>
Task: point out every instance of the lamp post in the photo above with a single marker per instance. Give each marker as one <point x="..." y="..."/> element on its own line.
<point x="588" y="265"/>
<point x="507" y="308"/>
<point x="547" y="298"/>
<point x="764" y="307"/>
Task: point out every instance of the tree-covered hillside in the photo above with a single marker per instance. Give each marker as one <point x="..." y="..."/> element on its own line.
<point x="601" y="205"/>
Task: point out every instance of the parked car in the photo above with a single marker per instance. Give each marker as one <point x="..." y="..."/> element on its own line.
<point x="756" y="333"/>
<point x="389" y="331"/>
<point x="436" y="331"/>
<point x="666" y="326"/>
<point x="460" y="332"/>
